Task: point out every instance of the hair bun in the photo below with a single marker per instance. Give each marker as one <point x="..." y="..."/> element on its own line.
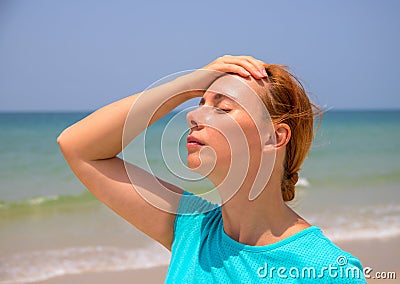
<point x="293" y="178"/>
<point x="288" y="186"/>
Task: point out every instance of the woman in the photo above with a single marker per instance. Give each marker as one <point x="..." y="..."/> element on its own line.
<point x="249" y="136"/>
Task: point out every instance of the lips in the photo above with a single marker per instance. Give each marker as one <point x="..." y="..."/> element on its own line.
<point x="193" y="141"/>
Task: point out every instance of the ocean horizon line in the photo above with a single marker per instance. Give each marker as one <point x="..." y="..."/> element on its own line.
<point x="177" y="110"/>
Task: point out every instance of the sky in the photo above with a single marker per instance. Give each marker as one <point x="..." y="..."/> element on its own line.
<point x="71" y="55"/>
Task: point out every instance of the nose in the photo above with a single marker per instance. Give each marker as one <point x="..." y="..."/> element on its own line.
<point x="193" y="123"/>
<point x="192" y="118"/>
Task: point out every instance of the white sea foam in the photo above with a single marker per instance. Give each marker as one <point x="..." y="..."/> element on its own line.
<point x="42" y="199"/>
<point x="349" y="234"/>
<point x="303" y="182"/>
<point x="370" y="222"/>
<point x="36" y="266"/>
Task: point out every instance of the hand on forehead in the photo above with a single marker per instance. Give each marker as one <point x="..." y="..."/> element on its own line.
<point x="242" y="91"/>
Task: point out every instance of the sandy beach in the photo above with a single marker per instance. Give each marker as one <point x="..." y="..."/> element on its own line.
<point x="150" y="275"/>
<point x="380" y="255"/>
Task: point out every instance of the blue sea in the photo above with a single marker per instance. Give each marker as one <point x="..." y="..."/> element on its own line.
<point x="50" y="225"/>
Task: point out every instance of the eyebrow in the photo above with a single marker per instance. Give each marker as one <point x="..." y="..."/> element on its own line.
<point x="217" y="98"/>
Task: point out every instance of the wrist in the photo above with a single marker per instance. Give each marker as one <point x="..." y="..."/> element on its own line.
<point x="200" y="80"/>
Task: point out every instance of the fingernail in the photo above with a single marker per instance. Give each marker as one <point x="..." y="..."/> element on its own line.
<point x="264" y="72"/>
<point x="260" y="74"/>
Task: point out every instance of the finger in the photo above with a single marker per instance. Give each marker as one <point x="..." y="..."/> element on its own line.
<point x="260" y="65"/>
<point x="244" y="63"/>
<point x="232" y="68"/>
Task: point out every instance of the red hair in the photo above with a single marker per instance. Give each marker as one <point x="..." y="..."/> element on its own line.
<point x="287" y="102"/>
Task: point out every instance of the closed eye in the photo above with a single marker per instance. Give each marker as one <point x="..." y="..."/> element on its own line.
<point x="222" y="110"/>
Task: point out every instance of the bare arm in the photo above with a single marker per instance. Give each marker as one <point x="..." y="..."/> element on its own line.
<point x="90" y="147"/>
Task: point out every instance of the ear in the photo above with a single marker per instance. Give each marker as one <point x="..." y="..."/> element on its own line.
<point x="282" y="135"/>
<point x="278" y="139"/>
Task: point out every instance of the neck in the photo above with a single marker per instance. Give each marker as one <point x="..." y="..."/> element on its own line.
<point x="262" y="221"/>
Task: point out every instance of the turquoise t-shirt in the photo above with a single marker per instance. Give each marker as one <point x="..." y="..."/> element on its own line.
<point x="203" y="253"/>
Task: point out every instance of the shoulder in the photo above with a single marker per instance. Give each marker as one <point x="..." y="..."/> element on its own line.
<point x="191" y="204"/>
<point x="192" y="212"/>
<point x="313" y="243"/>
<point x="328" y="259"/>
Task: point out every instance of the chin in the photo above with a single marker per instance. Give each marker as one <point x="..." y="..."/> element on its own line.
<point x="193" y="166"/>
<point x="198" y="166"/>
<point x="193" y="161"/>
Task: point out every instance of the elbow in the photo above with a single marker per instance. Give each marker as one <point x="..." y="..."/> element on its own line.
<point x="64" y="145"/>
<point x="60" y="139"/>
<point x="70" y="146"/>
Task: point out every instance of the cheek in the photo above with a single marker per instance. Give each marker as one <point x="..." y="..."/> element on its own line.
<point x="253" y="137"/>
<point x="228" y="136"/>
<point x="254" y="129"/>
<point x="219" y="142"/>
<point x="233" y="144"/>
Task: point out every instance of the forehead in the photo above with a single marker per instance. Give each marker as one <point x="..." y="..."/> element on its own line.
<point x="238" y="89"/>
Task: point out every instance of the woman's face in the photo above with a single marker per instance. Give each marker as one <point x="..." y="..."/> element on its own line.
<point x="225" y="127"/>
